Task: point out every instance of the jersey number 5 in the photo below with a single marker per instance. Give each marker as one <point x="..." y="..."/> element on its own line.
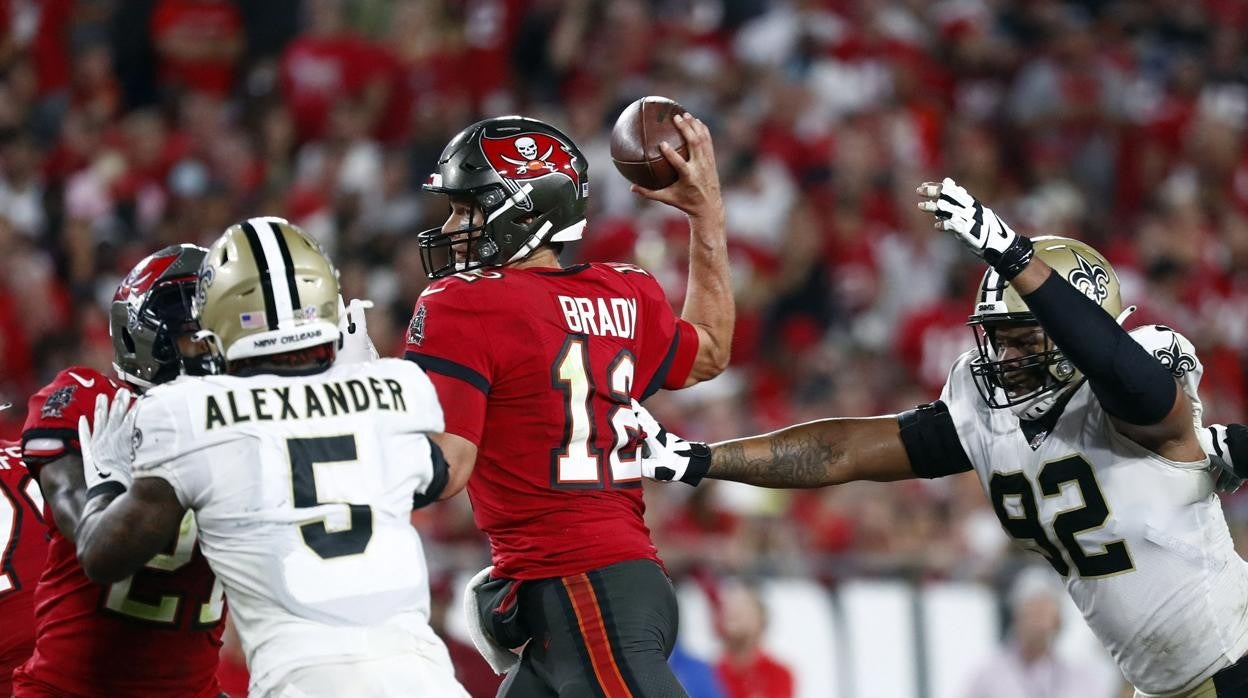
<point x="578" y="462"/>
<point x="305" y="454"/>
<point x="1015" y="503"/>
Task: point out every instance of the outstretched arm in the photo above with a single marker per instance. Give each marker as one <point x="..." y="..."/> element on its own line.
<point x="815" y="454"/>
<point x="922" y="442"/>
<point x="708" y="299"/>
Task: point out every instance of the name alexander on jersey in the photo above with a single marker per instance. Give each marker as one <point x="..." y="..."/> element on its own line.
<point x="304" y="402"/>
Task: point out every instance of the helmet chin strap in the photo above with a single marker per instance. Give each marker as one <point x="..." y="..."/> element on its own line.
<point x="217" y="347"/>
<point x="1038" y="407"/>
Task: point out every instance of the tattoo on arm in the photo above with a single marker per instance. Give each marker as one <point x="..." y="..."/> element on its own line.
<point x="795" y="457"/>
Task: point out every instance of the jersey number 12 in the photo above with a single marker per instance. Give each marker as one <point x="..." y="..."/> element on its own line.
<point x="578" y="462"/>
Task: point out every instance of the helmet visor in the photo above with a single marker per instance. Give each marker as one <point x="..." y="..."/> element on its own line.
<point x="167" y="313"/>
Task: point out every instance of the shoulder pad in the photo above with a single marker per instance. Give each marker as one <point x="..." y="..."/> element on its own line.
<point x="71" y="393"/>
<point x="51" y="426"/>
<point x="1171" y="348"/>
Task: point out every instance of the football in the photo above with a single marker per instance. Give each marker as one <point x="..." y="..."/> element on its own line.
<point x="635" y="140"/>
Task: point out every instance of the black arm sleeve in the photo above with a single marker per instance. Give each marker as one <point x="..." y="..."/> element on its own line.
<point x="931" y="441"/>
<point x="1131" y="385"/>
<point x="441" y="473"/>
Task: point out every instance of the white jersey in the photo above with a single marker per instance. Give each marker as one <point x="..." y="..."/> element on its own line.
<point x="1140" y="540"/>
<point x="303" y="489"/>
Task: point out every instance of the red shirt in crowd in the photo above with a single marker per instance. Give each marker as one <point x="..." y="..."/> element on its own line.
<point x="207" y="26"/>
<point x="317" y="71"/>
<point x="760" y="677"/>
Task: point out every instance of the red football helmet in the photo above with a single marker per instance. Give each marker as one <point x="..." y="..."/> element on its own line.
<point x="151" y="307"/>
<point x="528" y="179"/>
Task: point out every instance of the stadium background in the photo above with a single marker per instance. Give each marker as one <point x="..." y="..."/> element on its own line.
<point x="125" y="126"/>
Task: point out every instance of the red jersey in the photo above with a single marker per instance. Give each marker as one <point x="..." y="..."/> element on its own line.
<point x="537" y="367"/>
<point x="23" y="548"/>
<point x="154" y="634"/>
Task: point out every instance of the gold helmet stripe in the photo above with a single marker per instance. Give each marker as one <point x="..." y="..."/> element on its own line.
<point x="277" y="272"/>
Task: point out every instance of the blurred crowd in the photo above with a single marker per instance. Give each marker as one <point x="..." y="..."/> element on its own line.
<point x="125" y="126"/>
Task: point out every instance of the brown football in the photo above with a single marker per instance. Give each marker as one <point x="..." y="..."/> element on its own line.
<point x="636" y="137"/>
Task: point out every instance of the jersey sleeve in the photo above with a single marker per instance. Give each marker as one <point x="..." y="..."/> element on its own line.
<point x="937" y="436"/>
<point x="667" y="345"/>
<point x="51" y="427"/>
<point x="420" y="397"/>
<point x="962" y="400"/>
<point x="1178" y="355"/>
<point x="447" y="341"/>
<point x="157" y="447"/>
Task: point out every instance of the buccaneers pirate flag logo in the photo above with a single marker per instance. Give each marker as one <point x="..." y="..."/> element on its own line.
<point x="525" y="156"/>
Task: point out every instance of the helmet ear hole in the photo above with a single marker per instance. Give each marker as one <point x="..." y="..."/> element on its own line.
<point x="127" y="340"/>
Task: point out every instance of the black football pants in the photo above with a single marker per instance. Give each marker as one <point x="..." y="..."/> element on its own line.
<point x="606" y="633"/>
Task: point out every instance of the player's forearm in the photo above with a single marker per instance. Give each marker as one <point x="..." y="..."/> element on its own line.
<point x="815" y="454"/>
<point x="121" y="531"/>
<point x="709" y="303"/>
<point x="98" y="529"/>
<point x="1130" y="384"/>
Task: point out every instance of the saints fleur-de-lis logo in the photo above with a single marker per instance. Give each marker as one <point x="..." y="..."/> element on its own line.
<point x="1090" y="278"/>
<point x="1175" y="359"/>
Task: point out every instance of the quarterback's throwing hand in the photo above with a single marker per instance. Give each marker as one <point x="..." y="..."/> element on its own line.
<point x="976" y="226"/>
<point x="668" y="457"/>
<point x="696" y="190"/>
<point x="106" y="448"/>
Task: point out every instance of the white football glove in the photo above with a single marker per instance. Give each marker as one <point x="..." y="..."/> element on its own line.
<point x="668" y="457"/>
<point x="107" y="448"/>
<point x="976" y="226"/>
<point x="354" y="344"/>
<point x="1225" y="445"/>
